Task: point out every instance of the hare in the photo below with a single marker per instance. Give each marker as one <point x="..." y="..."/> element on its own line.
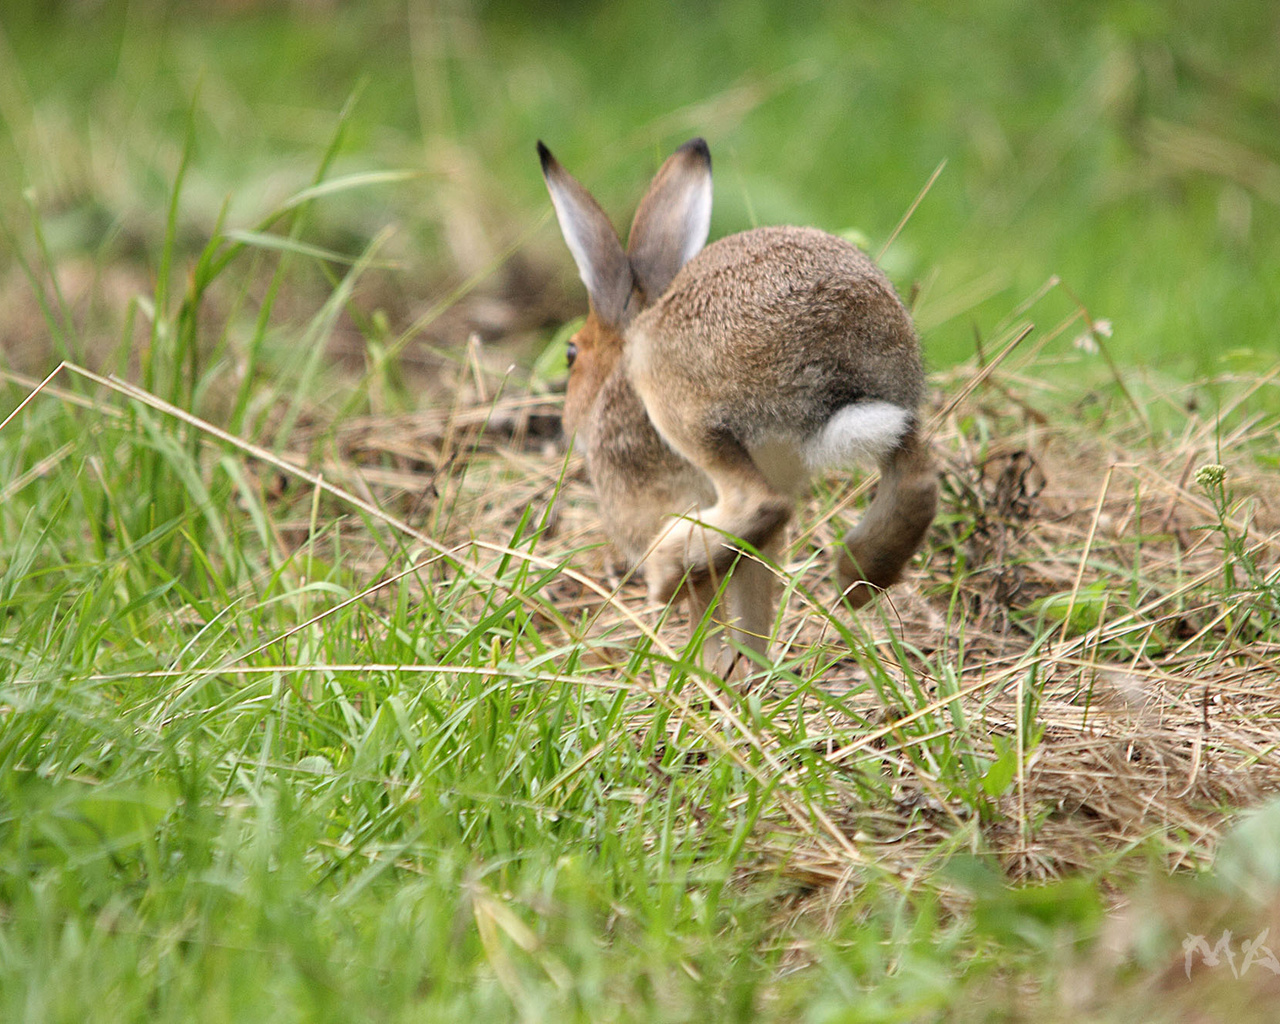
<point x="707" y="385"/>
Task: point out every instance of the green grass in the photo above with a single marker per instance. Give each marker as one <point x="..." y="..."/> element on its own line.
<point x="310" y="710"/>
<point x="420" y="806"/>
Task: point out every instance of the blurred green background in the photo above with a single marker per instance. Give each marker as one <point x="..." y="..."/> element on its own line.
<point x="226" y="790"/>
<point x="1131" y="148"/>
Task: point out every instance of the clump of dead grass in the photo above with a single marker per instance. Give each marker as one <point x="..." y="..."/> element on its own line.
<point x="1072" y="602"/>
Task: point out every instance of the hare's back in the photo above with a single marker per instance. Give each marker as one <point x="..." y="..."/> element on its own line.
<point x="774" y="331"/>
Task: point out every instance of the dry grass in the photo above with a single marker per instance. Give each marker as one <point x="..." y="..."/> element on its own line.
<point x="1072" y="603"/>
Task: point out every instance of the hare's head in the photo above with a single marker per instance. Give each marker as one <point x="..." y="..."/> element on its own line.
<point x="669" y="228"/>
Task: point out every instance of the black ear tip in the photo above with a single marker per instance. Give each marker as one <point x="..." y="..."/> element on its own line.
<point x="544" y="155"/>
<point x="698" y="147"/>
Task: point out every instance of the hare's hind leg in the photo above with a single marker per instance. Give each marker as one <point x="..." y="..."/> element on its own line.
<point x="747" y="507"/>
<point x="877" y="550"/>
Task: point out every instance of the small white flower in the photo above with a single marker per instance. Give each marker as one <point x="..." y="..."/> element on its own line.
<point x="1211" y="475"/>
<point x="1086" y="343"/>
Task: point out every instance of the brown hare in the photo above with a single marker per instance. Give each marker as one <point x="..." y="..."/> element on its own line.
<point x="707" y="385"/>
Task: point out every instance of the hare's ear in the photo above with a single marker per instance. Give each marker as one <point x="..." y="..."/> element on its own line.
<point x="595" y="246"/>
<point x="674" y="217"/>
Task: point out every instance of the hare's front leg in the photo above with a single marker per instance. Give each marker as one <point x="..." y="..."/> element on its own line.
<point x="744" y="612"/>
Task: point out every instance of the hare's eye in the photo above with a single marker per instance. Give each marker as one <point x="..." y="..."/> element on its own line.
<point x="570" y="354"/>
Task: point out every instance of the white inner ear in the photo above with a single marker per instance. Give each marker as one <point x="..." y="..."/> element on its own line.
<point x="697" y="219"/>
<point x="577" y="226"/>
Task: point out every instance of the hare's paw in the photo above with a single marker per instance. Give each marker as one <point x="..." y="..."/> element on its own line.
<point x="664" y="582"/>
<point x="668" y="564"/>
<point x="689" y="550"/>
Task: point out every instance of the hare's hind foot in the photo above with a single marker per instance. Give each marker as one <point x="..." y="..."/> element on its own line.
<point x="876" y="551"/>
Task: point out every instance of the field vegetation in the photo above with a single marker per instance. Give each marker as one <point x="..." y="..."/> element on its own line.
<point x="321" y="697"/>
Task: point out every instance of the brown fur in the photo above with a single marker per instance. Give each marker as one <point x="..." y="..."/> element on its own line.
<point x="775" y="329"/>
<point x="639" y="481"/>
<point x="599" y="347"/>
